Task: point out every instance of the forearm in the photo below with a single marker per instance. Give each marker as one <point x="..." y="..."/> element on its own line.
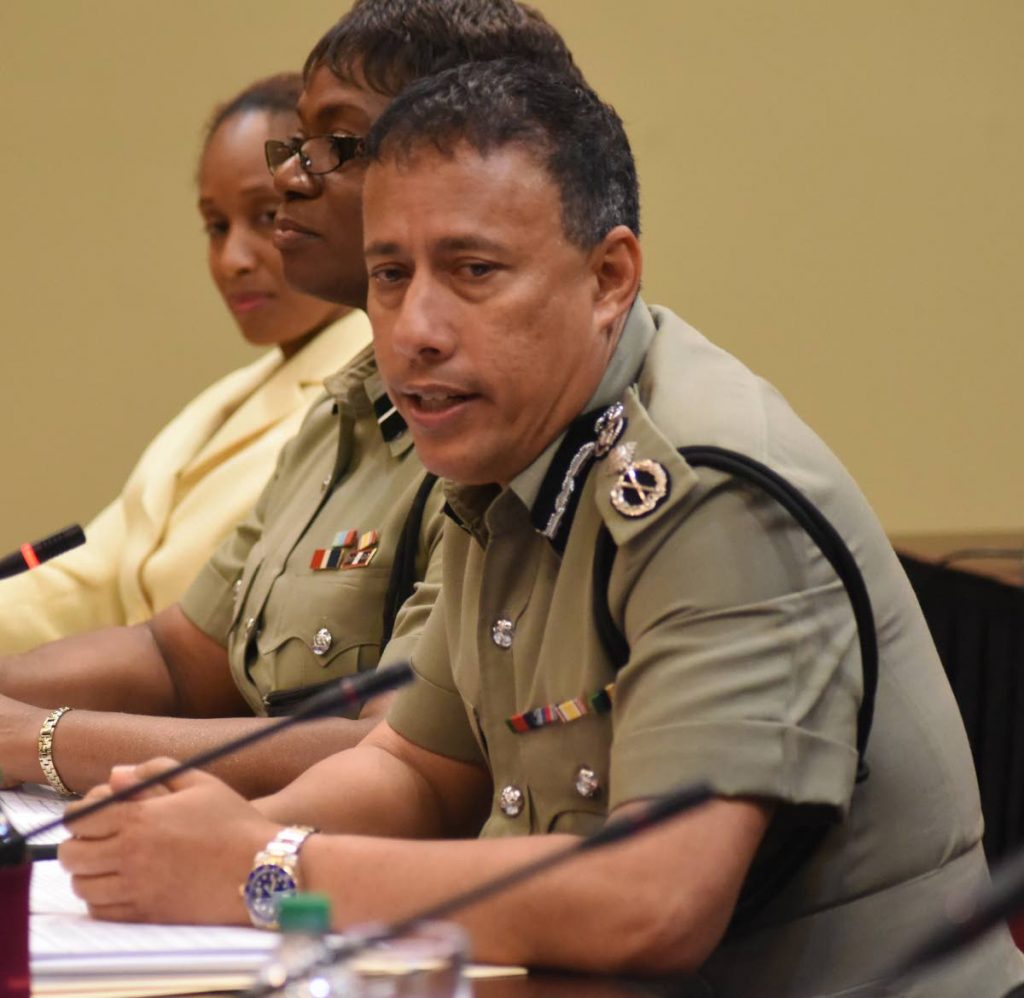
<point x="88" y="744"/>
<point x="365" y="792"/>
<point x="118" y="668"/>
<point x="619" y="910"/>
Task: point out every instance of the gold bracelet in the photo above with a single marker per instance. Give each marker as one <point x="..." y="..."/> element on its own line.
<point x="46" y="752"/>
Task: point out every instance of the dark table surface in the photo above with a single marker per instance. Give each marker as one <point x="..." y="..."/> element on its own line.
<point x="551" y="985"/>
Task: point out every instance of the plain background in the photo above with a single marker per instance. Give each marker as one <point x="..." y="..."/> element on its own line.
<point x="831" y="188"/>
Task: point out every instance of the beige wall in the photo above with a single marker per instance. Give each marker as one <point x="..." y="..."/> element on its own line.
<point x="831" y="190"/>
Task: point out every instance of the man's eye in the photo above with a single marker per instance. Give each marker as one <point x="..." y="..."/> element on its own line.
<point x="213" y="227"/>
<point x="477" y="268"/>
<point x="388" y="275"/>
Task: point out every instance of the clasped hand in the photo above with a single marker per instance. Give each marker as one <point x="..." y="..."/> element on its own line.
<point x="163" y="855"/>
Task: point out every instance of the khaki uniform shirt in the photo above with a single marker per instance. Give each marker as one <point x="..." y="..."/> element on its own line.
<point x="743" y="669"/>
<point x="343" y="487"/>
<point x="195" y="482"/>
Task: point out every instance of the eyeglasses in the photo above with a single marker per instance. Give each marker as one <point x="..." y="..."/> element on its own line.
<point x="319" y="154"/>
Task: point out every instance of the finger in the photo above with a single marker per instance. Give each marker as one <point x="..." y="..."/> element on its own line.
<point x="154" y="767"/>
<point x="95" y="826"/>
<point x="124" y="912"/>
<point x="90" y="857"/>
<point x="102" y="891"/>
<point x="123" y="778"/>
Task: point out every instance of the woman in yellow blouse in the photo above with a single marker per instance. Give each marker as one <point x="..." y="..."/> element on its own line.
<point x="202" y="473"/>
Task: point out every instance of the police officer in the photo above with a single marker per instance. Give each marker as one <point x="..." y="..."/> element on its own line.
<point x="296" y="596"/>
<point x="501" y="241"/>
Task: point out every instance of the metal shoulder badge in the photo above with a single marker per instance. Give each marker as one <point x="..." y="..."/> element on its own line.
<point x="640" y="486"/>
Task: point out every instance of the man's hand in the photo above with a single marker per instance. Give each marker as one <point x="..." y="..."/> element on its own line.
<point x="177" y="853"/>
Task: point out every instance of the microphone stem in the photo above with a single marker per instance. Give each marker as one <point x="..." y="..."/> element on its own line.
<point x="348" y="691"/>
<point x="650" y="813"/>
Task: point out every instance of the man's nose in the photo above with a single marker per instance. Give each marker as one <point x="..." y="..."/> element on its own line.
<point x="423" y="328"/>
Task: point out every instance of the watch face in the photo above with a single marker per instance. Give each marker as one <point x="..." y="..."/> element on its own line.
<point x="266" y="885"/>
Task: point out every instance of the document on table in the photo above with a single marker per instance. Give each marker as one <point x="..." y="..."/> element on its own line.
<point x="72" y="954"/>
<point x="32" y="805"/>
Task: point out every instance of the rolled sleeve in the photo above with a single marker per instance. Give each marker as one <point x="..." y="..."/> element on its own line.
<point x="743" y="671"/>
<point x="209" y="602"/>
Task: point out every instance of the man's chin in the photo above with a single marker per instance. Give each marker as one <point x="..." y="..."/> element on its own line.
<point x="463" y="468"/>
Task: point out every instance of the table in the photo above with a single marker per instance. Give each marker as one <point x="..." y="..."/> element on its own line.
<point x="552" y="985"/>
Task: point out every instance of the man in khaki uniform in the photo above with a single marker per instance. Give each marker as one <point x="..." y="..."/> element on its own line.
<point x="501" y="239"/>
<point x="295" y="596"/>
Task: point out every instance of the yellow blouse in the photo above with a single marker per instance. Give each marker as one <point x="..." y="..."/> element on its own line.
<point x="196" y="480"/>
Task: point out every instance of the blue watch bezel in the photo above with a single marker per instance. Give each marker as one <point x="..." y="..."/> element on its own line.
<point x="264" y="888"/>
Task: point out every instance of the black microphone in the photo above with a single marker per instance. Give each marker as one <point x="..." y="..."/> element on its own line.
<point x="348" y="691"/>
<point x="646" y="815"/>
<point x="33" y="555"/>
<point x="967" y="918"/>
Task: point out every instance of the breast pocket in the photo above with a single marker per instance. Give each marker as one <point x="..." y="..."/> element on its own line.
<point x="569" y="766"/>
<point x="317" y="629"/>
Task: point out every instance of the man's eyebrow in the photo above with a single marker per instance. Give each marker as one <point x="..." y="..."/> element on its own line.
<point x="462" y="244"/>
<point x="381" y="248"/>
<point x="450" y="244"/>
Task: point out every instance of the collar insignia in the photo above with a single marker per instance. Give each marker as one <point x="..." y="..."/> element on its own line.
<point x="588" y="437"/>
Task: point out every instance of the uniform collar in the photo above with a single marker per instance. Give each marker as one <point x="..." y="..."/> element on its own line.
<point x="359" y="387"/>
<point x="551" y="484"/>
<point x="622" y="370"/>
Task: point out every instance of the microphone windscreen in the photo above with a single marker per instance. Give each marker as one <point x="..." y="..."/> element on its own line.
<point x="33" y="555"/>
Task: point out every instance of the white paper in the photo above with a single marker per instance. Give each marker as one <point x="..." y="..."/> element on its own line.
<point x="75" y="944"/>
<point x="30" y="806"/>
<point x="67" y="946"/>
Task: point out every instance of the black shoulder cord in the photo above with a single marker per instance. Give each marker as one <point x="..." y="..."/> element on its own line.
<point x="801" y="842"/>
<point x="403" y="571"/>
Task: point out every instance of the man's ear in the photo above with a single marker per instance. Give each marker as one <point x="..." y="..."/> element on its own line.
<point x="617" y="264"/>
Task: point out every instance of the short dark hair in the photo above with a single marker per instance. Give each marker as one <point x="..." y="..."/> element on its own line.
<point x="390" y="43"/>
<point x="574" y="134"/>
<point x="278" y="94"/>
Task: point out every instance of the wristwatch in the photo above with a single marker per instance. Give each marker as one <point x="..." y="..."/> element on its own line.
<point x="275" y="874"/>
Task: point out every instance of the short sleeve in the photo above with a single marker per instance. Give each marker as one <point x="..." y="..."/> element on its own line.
<point x="209" y="601"/>
<point x="744" y="668"/>
<point x="430" y="712"/>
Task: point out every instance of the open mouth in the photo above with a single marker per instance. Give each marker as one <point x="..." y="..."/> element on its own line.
<point x="439" y="401"/>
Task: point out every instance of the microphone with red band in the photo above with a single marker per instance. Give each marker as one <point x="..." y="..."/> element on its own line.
<point x="31" y="556"/>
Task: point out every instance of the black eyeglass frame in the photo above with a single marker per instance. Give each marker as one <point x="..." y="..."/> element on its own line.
<point x="344" y="148"/>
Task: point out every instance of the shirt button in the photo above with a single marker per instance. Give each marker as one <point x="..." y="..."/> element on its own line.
<point x="587" y="784"/>
<point x="322" y="641"/>
<point x="250" y="626"/>
<point x="502" y="632"/>
<point x="236" y="589"/>
<point x="511" y="801"/>
<point x="325" y="483"/>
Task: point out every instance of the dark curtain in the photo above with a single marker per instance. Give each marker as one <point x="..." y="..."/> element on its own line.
<point x="978" y="627"/>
